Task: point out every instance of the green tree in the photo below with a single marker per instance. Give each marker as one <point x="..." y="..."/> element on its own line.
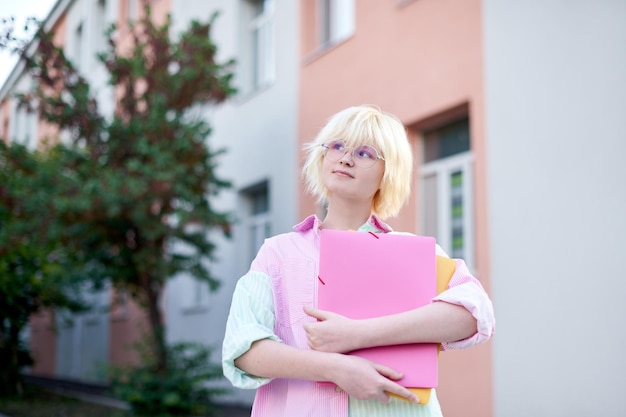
<point x="32" y="258"/>
<point x="136" y="184"/>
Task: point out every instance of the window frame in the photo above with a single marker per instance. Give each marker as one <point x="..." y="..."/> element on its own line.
<point x="131" y="10"/>
<point x="255" y="226"/>
<point x="259" y="224"/>
<point x="258" y="47"/>
<point x="99" y="40"/>
<point x="77" y="45"/>
<point x="336" y="22"/>
<point x="443" y="169"/>
<point x="23" y="130"/>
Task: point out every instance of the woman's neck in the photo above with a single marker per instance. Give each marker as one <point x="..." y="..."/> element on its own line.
<point x="346" y="217"/>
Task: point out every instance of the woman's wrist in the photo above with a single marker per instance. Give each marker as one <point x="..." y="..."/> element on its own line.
<point x="362" y="335"/>
<point x="361" y="338"/>
<point x="331" y="366"/>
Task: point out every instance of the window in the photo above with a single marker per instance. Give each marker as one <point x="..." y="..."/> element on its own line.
<point x="82" y="339"/>
<point x="99" y="38"/>
<point x="24" y="127"/>
<point x="196" y="295"/>
<point x="258" y="216"/>
<point x="131" y="10"/>
<point x="336" y="21"/>
<point x="447" y="189"/>
<point x="257" y="54"/>
<point x="77" y="47"/>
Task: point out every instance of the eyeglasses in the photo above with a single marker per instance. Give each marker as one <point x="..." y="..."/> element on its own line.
<point x="364" y="156"/>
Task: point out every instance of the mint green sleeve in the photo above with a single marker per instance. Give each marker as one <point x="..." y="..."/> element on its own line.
<point x="251" y="318"/>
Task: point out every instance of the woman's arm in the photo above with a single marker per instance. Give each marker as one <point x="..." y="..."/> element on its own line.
<point x="460" y="317"/>
<point x="252" y="354"/>
<point x="359" y="377"/>
<point x="434" y="323"/>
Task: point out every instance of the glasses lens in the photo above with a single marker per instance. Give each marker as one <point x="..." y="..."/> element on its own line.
<point x="364" y="156"/>
<point x="335" y="150"/>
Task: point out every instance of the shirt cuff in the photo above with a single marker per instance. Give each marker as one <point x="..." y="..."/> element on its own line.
<point x="236" y="376"/>
<point x="472" y="297"/>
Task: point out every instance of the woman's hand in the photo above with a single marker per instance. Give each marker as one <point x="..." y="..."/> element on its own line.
<point x="358" y="377"/>
<point x="331" y="333"/>
<point x="366" y="380"/>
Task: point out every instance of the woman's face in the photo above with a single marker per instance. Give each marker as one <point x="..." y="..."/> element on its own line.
<point x="346" y="178"/>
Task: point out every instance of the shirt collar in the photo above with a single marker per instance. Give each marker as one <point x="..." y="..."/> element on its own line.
<point x="373" y="224"/>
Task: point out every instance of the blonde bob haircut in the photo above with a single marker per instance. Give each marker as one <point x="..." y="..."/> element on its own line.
<point x="366" y="125"/>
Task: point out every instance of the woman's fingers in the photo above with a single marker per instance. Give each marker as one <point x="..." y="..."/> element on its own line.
<point x="395" y="388"/>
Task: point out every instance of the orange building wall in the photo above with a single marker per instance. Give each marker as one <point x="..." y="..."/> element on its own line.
<point x="43" y="344"/>
<point x="127" y="326"/>
<point x="416" y="61"/>
<point x="4" y="127"/>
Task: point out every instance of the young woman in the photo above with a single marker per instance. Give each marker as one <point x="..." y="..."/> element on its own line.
<point x="360" y="165"/>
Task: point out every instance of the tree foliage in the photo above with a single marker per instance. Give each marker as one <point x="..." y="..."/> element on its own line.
<point x="133" y="187"/>
<point x="33" y="260"/>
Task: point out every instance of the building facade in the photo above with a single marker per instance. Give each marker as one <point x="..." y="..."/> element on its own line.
<point x="421" y="61"/>
<point x="515" y="114"/>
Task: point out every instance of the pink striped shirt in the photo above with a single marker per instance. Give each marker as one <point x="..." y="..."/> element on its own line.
<point x="268" y="301"/>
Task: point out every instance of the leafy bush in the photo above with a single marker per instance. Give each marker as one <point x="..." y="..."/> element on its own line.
<point x="180" y="390"/>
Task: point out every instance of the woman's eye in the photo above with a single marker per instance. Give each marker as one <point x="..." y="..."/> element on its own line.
<point x="365" y="152"/>
<point x="337" y="146"/>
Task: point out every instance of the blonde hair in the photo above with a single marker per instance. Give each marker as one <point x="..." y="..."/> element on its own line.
<point x="366" y="125"/>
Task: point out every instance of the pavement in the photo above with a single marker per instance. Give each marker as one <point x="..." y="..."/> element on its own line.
<point x="234" y="411"/>
<point x="223" y="411"/>
<point x="99" y="394"/>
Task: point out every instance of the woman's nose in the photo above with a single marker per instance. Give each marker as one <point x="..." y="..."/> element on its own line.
<point x="348" y="157"/>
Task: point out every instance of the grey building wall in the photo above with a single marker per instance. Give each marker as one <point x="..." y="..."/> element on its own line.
<point x="259" y="132"/>
<point x="555" y="74"/>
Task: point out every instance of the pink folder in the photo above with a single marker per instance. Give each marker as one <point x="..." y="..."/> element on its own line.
<point x="365" y="275"/>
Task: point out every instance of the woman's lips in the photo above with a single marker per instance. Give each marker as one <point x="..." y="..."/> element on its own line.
<point x="343" y="173"/>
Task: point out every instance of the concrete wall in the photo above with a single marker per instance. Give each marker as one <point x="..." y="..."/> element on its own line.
<point x="555" y="99"/>
<point x="258" y="131"/>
